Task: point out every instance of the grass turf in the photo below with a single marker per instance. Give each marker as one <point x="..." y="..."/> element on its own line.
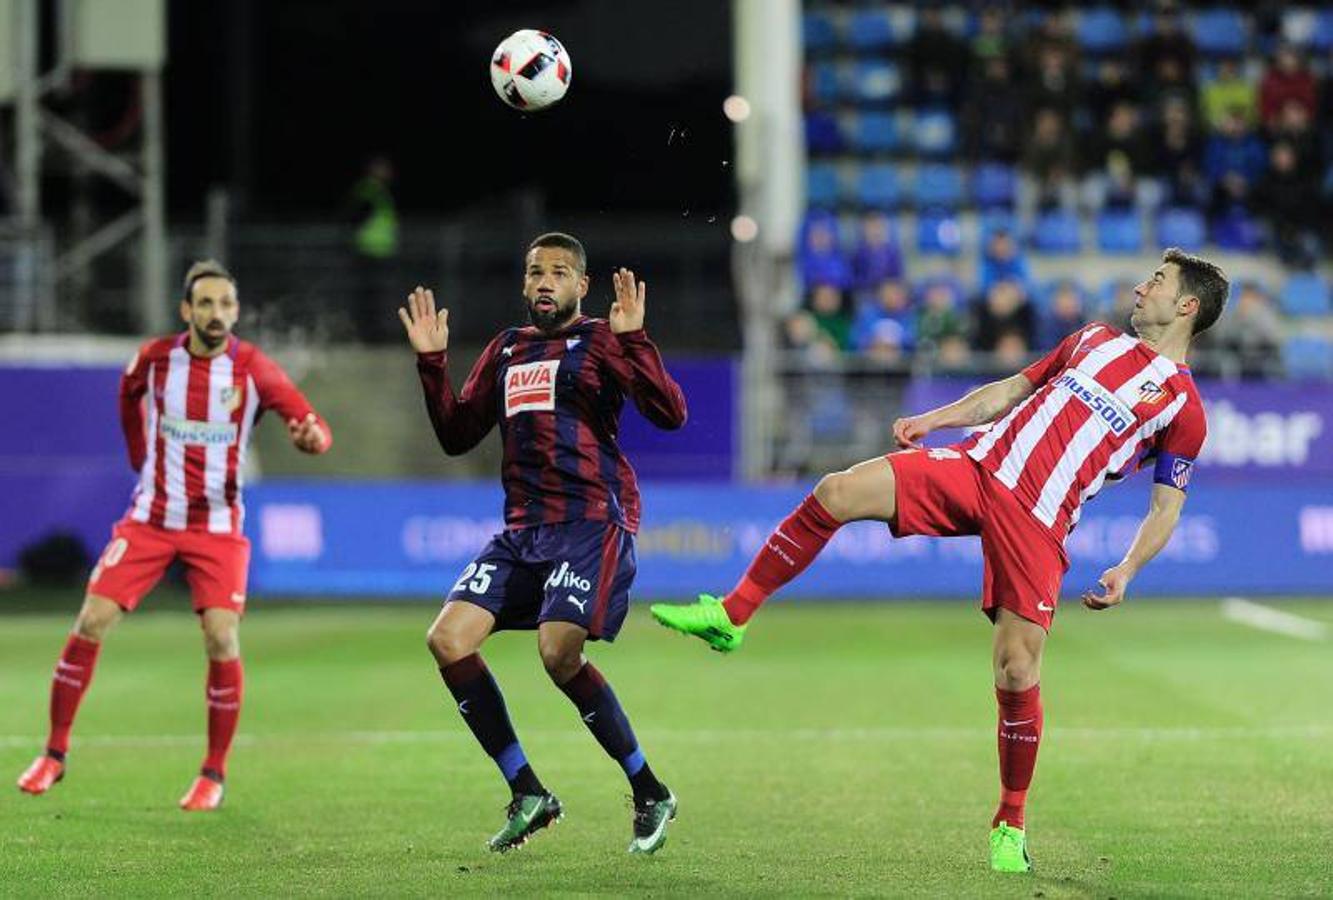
<point x="847" y="749"/>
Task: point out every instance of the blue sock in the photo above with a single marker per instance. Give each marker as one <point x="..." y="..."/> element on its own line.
<point x="483" y="708"/>
<point x="602" y="713"/>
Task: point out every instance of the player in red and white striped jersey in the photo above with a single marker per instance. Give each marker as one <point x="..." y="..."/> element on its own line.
<point x="205" y="390"/>
<point x="1099" y="406"/>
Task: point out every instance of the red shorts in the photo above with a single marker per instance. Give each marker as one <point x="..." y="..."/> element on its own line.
<point x="138" y="555"/>
<point x="943" y="492"/>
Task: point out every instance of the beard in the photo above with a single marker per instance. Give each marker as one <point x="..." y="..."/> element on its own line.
<point x="210" y="336"/>
<point x="553" y="319"/>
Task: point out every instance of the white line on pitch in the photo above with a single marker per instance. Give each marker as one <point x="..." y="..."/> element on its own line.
<point x="1265" y="618"/>
<point x="705" y="735"/>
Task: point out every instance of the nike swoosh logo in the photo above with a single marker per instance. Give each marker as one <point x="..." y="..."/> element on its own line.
<point x="588" y="717"/>
<point x="462" y="706"/>
<point x="779" y="533"/>
<point x="1008" y="724"/>
<point x="67" y="667"/>
<point x="220" y="692"/>
<point x="1045" y="607"/>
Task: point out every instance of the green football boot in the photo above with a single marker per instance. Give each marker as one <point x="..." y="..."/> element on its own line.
<point x="527" y="814"/>
<point x="650" y="823"/>
<point x="705" y="619"/>
<point x="1009" y="849"/>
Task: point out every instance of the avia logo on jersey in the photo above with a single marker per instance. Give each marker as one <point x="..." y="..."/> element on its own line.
<point x="198" y="434"/>
<point x="1103" y="403"/>
<point x="1150" y="392"/>
<point x="565" y="577"/>
<point x="530" y="386"/>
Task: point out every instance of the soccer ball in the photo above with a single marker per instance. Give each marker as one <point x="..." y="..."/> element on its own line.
<point x="530" y="70"/>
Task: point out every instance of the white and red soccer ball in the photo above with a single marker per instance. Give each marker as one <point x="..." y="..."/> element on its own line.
<point x="531" y="70"/>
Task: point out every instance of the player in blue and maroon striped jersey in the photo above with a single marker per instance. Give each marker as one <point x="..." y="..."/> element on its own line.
<point x="565" y="561"/>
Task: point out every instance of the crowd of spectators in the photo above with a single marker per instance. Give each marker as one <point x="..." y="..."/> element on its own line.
<point x="1243" y="138"/>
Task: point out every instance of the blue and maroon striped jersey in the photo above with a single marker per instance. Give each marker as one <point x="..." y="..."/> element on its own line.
<point x="557" y="399"/>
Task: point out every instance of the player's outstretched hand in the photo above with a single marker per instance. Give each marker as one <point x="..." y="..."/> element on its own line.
<point x="427" y="330"/>
<point x="1113" y="581"/>
<point x="627" y="311"/>
<point x="909" y="431"/>
<point x="307" y="434"/>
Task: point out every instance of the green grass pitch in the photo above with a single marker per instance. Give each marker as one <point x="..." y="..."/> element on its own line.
<point x="847" y="749"/>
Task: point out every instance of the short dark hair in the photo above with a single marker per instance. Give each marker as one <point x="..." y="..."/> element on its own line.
<point x="562" y="241"/>
<point x="205" y="268"/>
<point x="1204" y="280"/>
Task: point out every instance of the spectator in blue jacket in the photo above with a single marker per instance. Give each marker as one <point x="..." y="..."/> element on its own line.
<point x="1003" y="260"/>
<point x="821" y="260"/>
<point x="877" y="255"/>
<point x="885" y="323"/>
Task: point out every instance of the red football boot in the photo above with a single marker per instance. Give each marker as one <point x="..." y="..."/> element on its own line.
<point x="204" y="794"/>
<point x="44" y="772"/>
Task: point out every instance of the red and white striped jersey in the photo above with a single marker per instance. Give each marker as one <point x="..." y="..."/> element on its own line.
<point x="1105" y="404"/>
<point x="190" y="452"/>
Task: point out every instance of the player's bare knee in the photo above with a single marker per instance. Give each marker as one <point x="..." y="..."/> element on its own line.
<point x="222" y="641"/>
<point x="448" y="645"/>
<point x="836" y="494"/>
<point x="1017" y="671"/>
<point x="562" y="661"/>
<point x="96" y="618"/>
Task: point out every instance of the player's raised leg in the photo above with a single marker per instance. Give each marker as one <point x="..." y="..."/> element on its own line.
<point x="865" y="491"/>
<point x="561" y="646"/>
<point x="223" y="692"/>
<point x="73" y="674"/>
<point x="1018" y="645"/>
<point x="455" y="640"/>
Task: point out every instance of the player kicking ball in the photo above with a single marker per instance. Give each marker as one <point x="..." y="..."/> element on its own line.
<point x="1099" y="406"/>
<point x="565" y="561"/>
<point x="205" y="391"/>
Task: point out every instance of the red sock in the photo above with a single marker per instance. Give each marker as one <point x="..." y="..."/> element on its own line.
<point x="1019" y="736"/>
<point x="73" y="673"/>
<point x="791" y="547"/>
<point x="226" y="681"/>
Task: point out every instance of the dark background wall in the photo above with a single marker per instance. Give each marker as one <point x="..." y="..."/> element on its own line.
<point x="284" y="100"/>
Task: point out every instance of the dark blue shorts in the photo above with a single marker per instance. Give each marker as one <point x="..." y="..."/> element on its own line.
<point x="576" y="572"/>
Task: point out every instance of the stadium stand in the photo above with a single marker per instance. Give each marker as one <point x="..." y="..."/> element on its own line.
<point x="1091" y="138"/>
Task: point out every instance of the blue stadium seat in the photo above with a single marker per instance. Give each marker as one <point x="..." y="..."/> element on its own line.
<point x="1238" y="230"/>
<point x="993" y="185"/>
<point x="1220" y="32"/>
<point x="1180" y="226"/>
<point x="938" y="185"/>
<point x="819" y="31"/>
<point x="1322" y="39"/>
<point x="993" y="220"/>
<point x="877" y="186"/>
<point x="830" y="416"/>
<point x="935" y="133"/>
<point x="825" y="83"/>
<point x="875" y="132"/>
<point x="870" y="30"/>
<point x="822" y="134"/>
<point x="1056" y="231"/>
<point x="1120" y="231"/>
<point x="822" y="185"/>
<point x="1308" y="357"/>
<point x="1305" y="294"/>
<point x="876" y="81"/>
<point x="938" y="233"/>
<point x="1102" y="31"/>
